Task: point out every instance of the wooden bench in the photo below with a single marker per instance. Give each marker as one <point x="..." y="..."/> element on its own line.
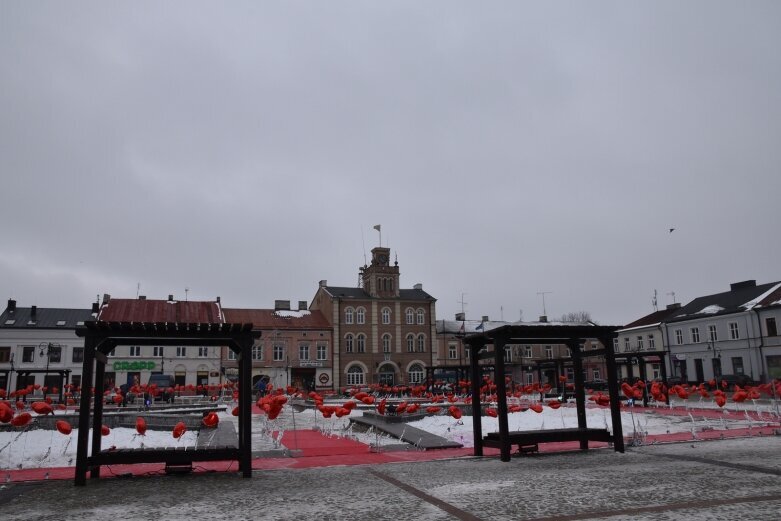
<point x="528" y="441"/>
<point x="169" y="456"/>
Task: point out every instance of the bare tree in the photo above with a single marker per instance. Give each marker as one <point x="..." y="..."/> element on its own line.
<point x="577" y="316"/>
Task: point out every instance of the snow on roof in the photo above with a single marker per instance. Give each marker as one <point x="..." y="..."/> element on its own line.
<point x="289" y="313"/>
<point x="751" y="303"/>
<point x="710" y="310"/>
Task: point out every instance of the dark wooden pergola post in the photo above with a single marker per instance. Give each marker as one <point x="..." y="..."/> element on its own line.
<point x="580" y="395"/>
<point x="84" y="410"/>
<point x="501" y="396"/>
<point x="612" y="385"/>
<point x="477" y="424"/>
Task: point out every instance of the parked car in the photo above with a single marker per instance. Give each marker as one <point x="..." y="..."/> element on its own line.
<point x="164" y="382"/>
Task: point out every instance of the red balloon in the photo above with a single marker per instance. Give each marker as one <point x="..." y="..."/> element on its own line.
<point x="141" y="426"/>
<point x="20" y="405"/>
<point x="211" y="419"/>
<point x="104" y="430"/>
<point x="455" y="412"/>
<point x="21" y="419"/>
<point x="235" y="411"/>
<point x="179" y="429"/>
<point x="536" y="407"/>
<point x="491" y="412"/>
<point x="42" y="408"/>
<point x="64" y="427"/>
<point x="6" y="414"/>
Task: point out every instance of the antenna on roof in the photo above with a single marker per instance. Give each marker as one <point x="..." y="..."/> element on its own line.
<point x="186" y="290"/>
<point x="138" y="288"/>
<point x="654" y="302"/>
<point x="363" y="242"/>
<point x="673" y="294"/>
<point x="543" y="293"/>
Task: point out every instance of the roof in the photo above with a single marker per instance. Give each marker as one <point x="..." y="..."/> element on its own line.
<point x="171" y="311"/>
<point x="282" y="319"/>
<point x="741" y="297"/>
<point x="649" y="320"/>
<point x="45" y="318"/>
<point x="772" y="298"/>
<point x="360" y="294"/>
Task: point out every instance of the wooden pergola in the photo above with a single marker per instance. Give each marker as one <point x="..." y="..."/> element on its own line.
<point x="101" y="337"/>
<point x="571" y="335"/>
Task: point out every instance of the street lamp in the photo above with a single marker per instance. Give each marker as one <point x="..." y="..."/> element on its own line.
<point x="49" y="348"/>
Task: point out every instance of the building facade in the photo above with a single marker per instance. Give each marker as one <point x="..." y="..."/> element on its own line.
<point x="294" y="348"/>
<point x="189" y="365"/>
<point x="382" y="334"/>
<point x="39" y="346"/>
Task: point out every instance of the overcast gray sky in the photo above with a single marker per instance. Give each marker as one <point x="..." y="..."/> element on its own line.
<point x="246" y="149"/>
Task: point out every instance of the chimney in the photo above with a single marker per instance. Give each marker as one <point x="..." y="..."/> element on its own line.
<point x="218" y="299"/>
<point x="323" y="283"/>
<point x="33" y="312"/>
<point x="11" y="305"/>
<point x="485" y="318"/>
<point x="142" y="297"/>
<point x="170" y="298"/>
<point x="95" y="307"/>
<point x="675" y="305"/>
<point x="106" y="298"/>
<point x="543" y="318"/>
<point x="302" y="305"/>
<point x="742" y="285"/>
<point x="281" y="305"/>
<point x="418" y="286"/>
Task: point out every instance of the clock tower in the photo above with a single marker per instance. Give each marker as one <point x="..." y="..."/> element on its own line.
<point x="381" y="279"/>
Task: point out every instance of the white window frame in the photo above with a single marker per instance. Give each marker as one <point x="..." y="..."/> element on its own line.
<point x="421" y="343"/>
<point x="279" y="352"/>
<point x="529" y="353"/>
<point x="386" y="315"/>
<point x="679" y="337"/>
<point x="386" y="343"/>
<point x="303" y="351"/>
<point x="349" y="343"/>
<point x="181" y="351"/>
<point x="639" y="342"/>
<point x="134" y="351"/>
<point x="651" y="342"/>
<point x="713" y="335"/>
<point x="416" y="374"/>
<point x="549" y="352"/>
<point x="322" y="351"/>
<point x="158" y="351"/>
<point x="734" y="332"/>
<point x="452" y="351"/>
<point x="421" y="316"/>
<point x="203" y="352"/>
<point x="257" y="352"/>
<point x="349" y="313"/>
<point x="360" y="343"/>
<point x="410" y="343"/>
<point x="409" y="315"/>
<point x="355" y="375"/>
<point x="694" y="335"/>
<point x="360" y="316"/>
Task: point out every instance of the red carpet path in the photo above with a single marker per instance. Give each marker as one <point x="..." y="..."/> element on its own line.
<point x="317" y="450"/>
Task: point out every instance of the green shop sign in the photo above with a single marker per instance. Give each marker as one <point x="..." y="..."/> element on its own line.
<point x="141" y="365"/>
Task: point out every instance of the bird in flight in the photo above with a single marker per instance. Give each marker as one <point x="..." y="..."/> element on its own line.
<point x="672" y="230"/>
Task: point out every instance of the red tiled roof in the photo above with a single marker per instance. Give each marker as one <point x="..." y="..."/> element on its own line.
<point x="772" y="299"/>
<point x="144" y="310"/>
<point x="270" y="319"/>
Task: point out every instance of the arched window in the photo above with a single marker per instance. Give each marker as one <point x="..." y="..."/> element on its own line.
<point x="360" y="316"/>
<point x="421" y="316"/>
<point x="416" y="374"/>
<point x="361" y="343"/>
<point x="421" y="343"/>
<point x="386" y="343"/>
<point x="355" y="375"/>
<point x="348" y="343"/>
<point x="410" y="343"/>
<point x="386" y="314"/>
<point x="410" y="316"/>
<point x="348" y="316"/>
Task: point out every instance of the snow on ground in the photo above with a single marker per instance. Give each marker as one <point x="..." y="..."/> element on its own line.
<point x="35" y="448"/>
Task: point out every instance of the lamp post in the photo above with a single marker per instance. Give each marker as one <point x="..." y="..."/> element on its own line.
<point x="48" y="347"/>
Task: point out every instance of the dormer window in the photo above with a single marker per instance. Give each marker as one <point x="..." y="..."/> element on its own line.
<point x="10" y="322"/>
<point x="61" y="322"/>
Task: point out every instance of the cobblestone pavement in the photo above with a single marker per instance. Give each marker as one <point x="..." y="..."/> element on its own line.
<point x="715" y="480"/>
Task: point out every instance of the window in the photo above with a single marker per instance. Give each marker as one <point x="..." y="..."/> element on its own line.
<point x="10" y="322"/>
<point x="570" y="374"/>
<point x="361" y="341"/>
<point x="257" y="352"/>
<point x="386" y="343"/>
<point x="355" y="375"/>
<point x="656" y="371"/>
<point x="508" y="354"/>
<point x="279" y="352"/>
<point x="410" y="343"/>
<point x="421" y="343"/>
<point x="770" y="324"/>
<point x="386" y="315"/>
<point x="416" y="374"/>
<point x="466" y="353"/>
<point x="733" y="331"/>
<point x="712" y="336"/>
<point x="348" y="343"/>
<point x="452" y="351"/>
<point x="679" y="337"/>
<point x="639" y="342"/>
<point x="348" y="316"/>
<point x="232" y="355"/>
<point x="135" y="351"/>
<point x="322" y="352"/>
<point x="203" y="351"/>
<point x="77" y="356"/>
<point x="529" y="378"/>
<point x="157" y="351"/>
<point x="5" y="355"/>
<point x="549" y="352"/>
<point x="596" y="374"/>
<point x="113" y="352"/>
<point x="528" y="351"/>
<point x="55" y="354"/>
<point x="626" y="344"/>
<point x="410" y="316"/>
<point x="567" y="352"/>
<point x="694" y="333"/>
<point x="28" y="354"/>
<point x="651" y="343"/>
<point x="737" y="365"/>
<point x="303" y="352"/>
<point x="360" y="316"/>
<point x="181" y="351"/>
<point x="421" y="317"/>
